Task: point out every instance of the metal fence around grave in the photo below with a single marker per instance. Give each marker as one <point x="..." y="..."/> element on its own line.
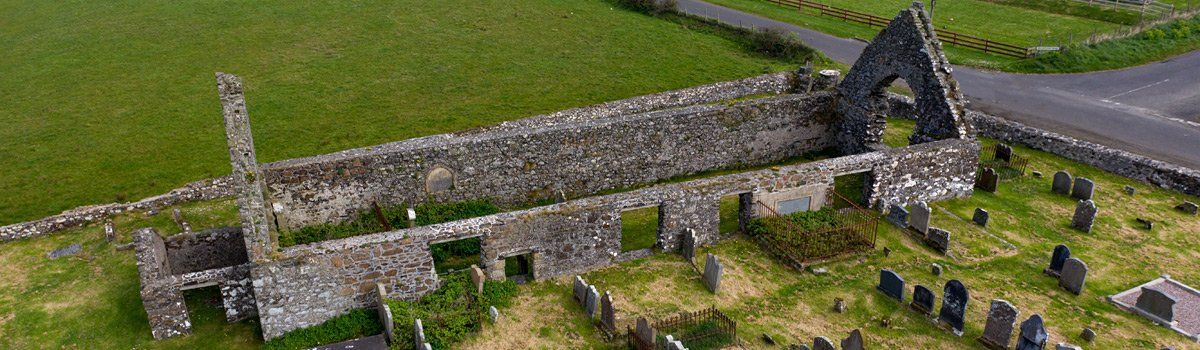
<point x="1010" y="168"/>
<point x="707" y="328"/>
<point x="854" y="230"/>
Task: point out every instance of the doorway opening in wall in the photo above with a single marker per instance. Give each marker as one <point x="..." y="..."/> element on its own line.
<point x="900" y="125"/>
<point x="734" y="212"/>
<point x="456" y="255"/>
<point x="519" y="268"/>
<point x="853" y="188"/>
<point x="639" y="228"/>
<point x="205" y="307"/>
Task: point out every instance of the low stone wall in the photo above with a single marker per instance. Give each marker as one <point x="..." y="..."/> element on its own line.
<point x="312" y="283"/>
<point x="1137" y="167"/>
<point x="196" y="191"/>
<point x="205" y="250"/>
<point x="575" y="153"/>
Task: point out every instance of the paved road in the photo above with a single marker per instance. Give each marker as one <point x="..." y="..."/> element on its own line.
<point x="1153" y="110"/>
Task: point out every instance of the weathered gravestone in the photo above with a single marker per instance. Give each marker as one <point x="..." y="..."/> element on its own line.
<point x="1146" y="224"/>
<point x="1033" y="334"/>
<point x="384" y="312"/>
<point x="608" y="315"/>
<point x="1060" y="256"/>
<point x="1158" y="304"/>
<point x="999" y="327"/>
<point x="954" y="306"/>
<point x="1066" y="346"/>
<point x="1074" y="273"/>
<point x="593" y="300"/>
<point x="1188" y="207"/>
<point x="673" y="344"/>
<point x="688" y="246"/>
<point x="854" y="341"/>
<point x="712" y="273"/>
<point x="1083" y="188"/>
<point x="918" y="218"/>
<point x="823" y="343"/>
<point x="935" y="269"/>
<point x="477" y="278"/>
<point x="580" y="290"/>
<point x="110" y="232"/>
<point x="1085" y="215"/>
<point x="898" y="216"/>
<point x="988" y="180"/>
<point x="1062" y="183"/>
<point x="938" y="239"/>
<point x="426" y="346"/>
<point x="922" y="300"/>
<point x="1129" y="190"/>
<point x="418" y="334"/>
<point x="981" y="217"/>
<point x="493" y="314"/>
<point x="891" y="284"/>
<point x="1004" y="153"/>
<point x="65" y="251"/>
<point x="644" y="332"/>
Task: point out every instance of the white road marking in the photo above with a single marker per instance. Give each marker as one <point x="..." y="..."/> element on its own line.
<point x="1136" y="90"/>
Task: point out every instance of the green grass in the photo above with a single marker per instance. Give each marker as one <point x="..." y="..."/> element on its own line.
<point x="729" y="207"/>
<point x="1162" y="42"/>
<point x="639" y="228"/>
<point x="124" y="91"/>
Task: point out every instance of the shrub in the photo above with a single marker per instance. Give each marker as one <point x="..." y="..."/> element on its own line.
<point x="777" y="43"/>
<point x="453" y="312"/>
<point x="650" y="7"/>
<point x="357" y="323"/>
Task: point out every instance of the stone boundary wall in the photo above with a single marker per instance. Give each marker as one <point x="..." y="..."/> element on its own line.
<point x="210" y="189"/>
<point x="312" y="283"/>
<point x="1134" y="166"/>
<point x="520" y="165"/>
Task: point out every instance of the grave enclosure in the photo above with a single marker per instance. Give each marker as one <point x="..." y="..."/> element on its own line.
<point x="580" y="153"/>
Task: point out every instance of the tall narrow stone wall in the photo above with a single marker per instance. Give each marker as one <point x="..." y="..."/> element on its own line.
<point x="248" y="182"/>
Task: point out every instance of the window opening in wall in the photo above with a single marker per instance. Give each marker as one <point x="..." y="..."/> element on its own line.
<point x="639" y="228"/>
<point x="456" y="255"/>
<point x="853" y="188"/>
<point x="519" y="268"/>
<point x="900" y="125"/>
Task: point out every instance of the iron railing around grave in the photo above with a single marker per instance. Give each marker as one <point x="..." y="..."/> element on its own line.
<point x="707" y="328"/>
<point x="853" y="230"/>
<point x="1010" y="168"/>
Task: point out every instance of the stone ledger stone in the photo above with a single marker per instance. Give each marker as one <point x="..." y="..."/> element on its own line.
<point x="981" y="217"/>
<point x="918" y="218"/>
<point x="1033" y="334"/>
<point x="1083" y="189"/>
<point x="65" y="251"/>
<point x="1074" y="273"/>
<point x="1062" y="183"/>
<point x="954" y="306"/>
<point x="999" y="327"/>
<point x="1060" y="256"/>
<point x="923" y="300"/>
<point x="1157" y="303"/>
<point x="891" y="284"/>
<point x="712" y="273"/>
<point x="1085" y="215"/>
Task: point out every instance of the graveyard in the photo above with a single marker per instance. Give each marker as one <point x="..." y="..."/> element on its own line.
<point x="804" y="209"/>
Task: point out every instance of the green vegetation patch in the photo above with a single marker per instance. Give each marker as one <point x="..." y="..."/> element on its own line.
<point x="453" y="312"/>
<point x="456" y="255"/>
<point x="367" y="222"/>
<point x="355" y="324"/>
<point x="1156" y="44"/>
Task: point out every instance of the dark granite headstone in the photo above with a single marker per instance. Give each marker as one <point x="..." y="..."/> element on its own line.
<point x="1060" y="256"/>
<point x="688" y="246"/>
<point x="988" y="180"/>
<point x="1146" y="224"/>
<point x="918" y="217"/>
<point x="954" y="306"/>
<point x="891" y="284"/>
<point x="592" y="302"/>
<point x="644" y="332"/>
<point x="898" y="216"/>
<point x="65" y="251"/>
<point x="1188" y="207"/>
<point x="1085" y="215"/>
<point x="854" y="341"/>
<point x="999" y="327"/>
<point x="922" y="300"/>
<point x="1157" y="303"/>
<point x="938" y="239"/>
<point x="608" y="315"/>
<point x="712" y="273"/>
<point x="981" y="217"/>
<point x="1129" y="190"/>
<point x="580" y="290"/>
<point x="1074" y="273"/>
<point x="1083" y="188"/>
<point x="1062" y="183"/>
<point x="823" y="343"/>
<point x="1004" y="153"/>
<point x="1033" y="334"/>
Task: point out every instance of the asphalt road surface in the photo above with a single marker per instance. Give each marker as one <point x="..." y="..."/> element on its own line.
<point x="1152" y="110"/>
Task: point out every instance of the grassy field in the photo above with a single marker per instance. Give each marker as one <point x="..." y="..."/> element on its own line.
<point x="123" y="92"/>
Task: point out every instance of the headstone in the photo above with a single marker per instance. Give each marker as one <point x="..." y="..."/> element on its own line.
<point x="712" y="273"/>
<point x="1157" y="303"/>
<point x="1061" y="254"/>
<point x="822" y="343"/>
<point x="688" y="246"/>
<point x="675" y="345"/>
<point x="110" y="232"/>
<point x="887" y="252"/>
<point x="988" y="180"/>
<point x="918" y="218"/>
<point x="938" y="239"/>
<point x="439" y="179"/>
<point x="477" y="278"/>
<point x="1074" y="273"/>
<point x="999" y="327"/>
<point x="854" y="341"/>
<point x="1188" y="207"/>
<point x="1085" y="215"/>
<point x="1062" y="183"/>
<point x="898" y="216"/>
<point x="427" y="346"/>
<point x="644" y="332"/>
<point x="935" y="269"/>
<point x="891" y="284"/>
<point x="493" y="313"/>
<point x="419" y="334"/>
<point x="767" y="338"/>
<point x="1037" y="174"/>
<point x="1004" y="152"/>
<point x="608" y="315"/>
<point x="954" y="306"/>
<point x="580" y="289"/>
<point x="1088" y="334"/>
<point x="1033" y="334"/>
<point x="65" y="251"/>
<point x="593" y="301"/>
<point x="981" y="217"/>
<point x="1146" y="224"/>
<point x="1066" y="346"/>
<point x="922" y="300"/>
<point x="384" y="312"/>
<point x="1129" y="190"/>
<point x="178" y="217"/>
<point x="1083" y="189"/>
<point x="800" y="347"/>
